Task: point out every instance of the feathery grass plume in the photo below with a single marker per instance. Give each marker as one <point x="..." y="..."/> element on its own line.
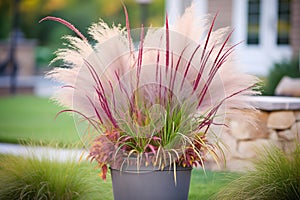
<point x="157" y="99"/>
<point x="275" y="175"/>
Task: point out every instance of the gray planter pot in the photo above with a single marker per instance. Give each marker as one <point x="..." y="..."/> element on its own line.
<point x="150" y="184"/>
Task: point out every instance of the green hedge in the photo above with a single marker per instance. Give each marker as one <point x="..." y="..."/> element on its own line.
<point x="285" y="68"/>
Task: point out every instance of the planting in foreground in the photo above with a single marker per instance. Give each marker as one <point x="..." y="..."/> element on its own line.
<point x="28" y="178"/>
<point x="276" y="175"/>
<point x="31" y="178"/>
<point x="159" y="103"/>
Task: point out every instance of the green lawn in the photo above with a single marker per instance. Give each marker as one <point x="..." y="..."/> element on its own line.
<point x="33" y="118"/>
<point x="203" y="185"/>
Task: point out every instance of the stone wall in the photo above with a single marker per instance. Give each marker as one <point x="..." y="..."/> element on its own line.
<point x="278" y="123"/>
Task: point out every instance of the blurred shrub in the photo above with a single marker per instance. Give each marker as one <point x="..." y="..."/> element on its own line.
<point x="80" y="13"/>
<point x="43" y="56"/>
<point x="279" y="70"/>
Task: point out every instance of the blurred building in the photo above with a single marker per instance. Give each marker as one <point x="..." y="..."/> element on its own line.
<point x="24" y="57"/>
<point x="269" y="29"/>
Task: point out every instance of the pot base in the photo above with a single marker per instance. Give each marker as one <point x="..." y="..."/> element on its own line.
<point x="151" y="184"/>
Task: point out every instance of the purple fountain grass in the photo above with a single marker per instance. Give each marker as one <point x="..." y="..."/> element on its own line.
<point x="158" y="102"/>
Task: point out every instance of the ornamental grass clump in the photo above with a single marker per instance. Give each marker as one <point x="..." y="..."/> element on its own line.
<point x="157" y="101"/>
<point x="275" y="175"/>
<point x="36" y="177"/>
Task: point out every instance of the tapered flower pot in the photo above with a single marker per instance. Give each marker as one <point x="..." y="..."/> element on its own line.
<point x="151" y="184"/>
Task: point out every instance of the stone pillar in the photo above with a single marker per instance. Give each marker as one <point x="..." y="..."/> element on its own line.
<point x="224" y="8"/>
<point x="295" y="27"/>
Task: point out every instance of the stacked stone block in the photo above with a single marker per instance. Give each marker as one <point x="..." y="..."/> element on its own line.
<point x="278" y="123"/>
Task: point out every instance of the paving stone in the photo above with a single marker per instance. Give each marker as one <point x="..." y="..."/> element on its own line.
<point x="244" y="130"/>
<point x="230" y="144"/>
<point x="273" y="134"/>
<point x="296" y="130"/>
<point x="297" y="115"/>
<point x="286" y="134"/>
<point x="281" y="120"/>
